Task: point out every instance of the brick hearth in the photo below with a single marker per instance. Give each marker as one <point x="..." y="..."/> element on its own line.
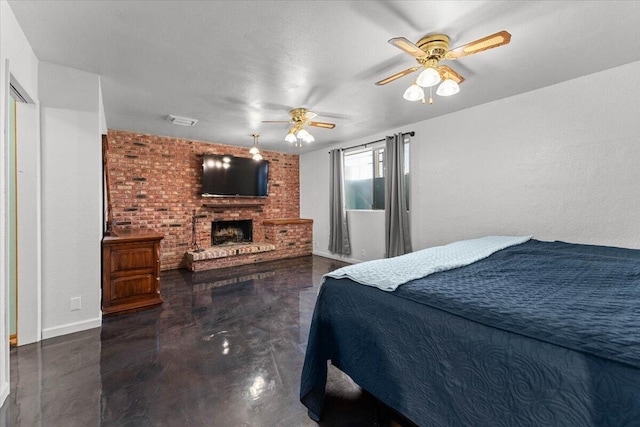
<point x="228" y="255"/>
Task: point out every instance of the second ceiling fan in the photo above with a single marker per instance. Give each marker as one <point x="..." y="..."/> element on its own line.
<point x="428" y="52"/>
<point x="301" y="117"/>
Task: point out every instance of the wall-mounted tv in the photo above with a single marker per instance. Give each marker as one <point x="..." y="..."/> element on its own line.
<point x="230" y="176"/>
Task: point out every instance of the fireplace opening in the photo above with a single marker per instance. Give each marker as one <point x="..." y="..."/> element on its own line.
<point x="230" y="232"/>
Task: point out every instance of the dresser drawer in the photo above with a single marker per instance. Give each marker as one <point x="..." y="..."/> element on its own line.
<point x="132" y="257"/>
<point x="125" y="289"/>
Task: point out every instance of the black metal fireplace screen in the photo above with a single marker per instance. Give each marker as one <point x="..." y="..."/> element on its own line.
<point x="228" y="232"/>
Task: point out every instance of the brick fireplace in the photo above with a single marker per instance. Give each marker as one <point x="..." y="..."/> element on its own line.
<point x="230" y="232"/>
<point x="283" y="238"/>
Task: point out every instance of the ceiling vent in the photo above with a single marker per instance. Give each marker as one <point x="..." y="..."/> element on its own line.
<point x="182" y="121"/>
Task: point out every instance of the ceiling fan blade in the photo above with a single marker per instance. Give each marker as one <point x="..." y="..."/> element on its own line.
<point x="397" y="76"/>
<point x="407" y="46"/>
<point x="276" y="121"/>
<point x="322" y="125"/>
<point x="447" y="73"/>
<point x="494" y="40"/>
<point x="309" y="115"/>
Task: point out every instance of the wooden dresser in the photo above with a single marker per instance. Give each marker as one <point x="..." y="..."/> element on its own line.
<point x="130" y="271"/>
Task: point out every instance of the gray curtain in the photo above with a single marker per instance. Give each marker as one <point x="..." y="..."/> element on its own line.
<point x="338" y="229"/>
<point x="396" y="218"/>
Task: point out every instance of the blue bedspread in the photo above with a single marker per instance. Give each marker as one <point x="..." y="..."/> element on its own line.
<point x="542" y="333"/>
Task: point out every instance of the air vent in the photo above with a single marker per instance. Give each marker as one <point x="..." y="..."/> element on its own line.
<point x="182" y="121"/>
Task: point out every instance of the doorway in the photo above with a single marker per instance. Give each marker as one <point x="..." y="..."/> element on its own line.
<point x="23" y="217"/>
<point x="12" y="219"/>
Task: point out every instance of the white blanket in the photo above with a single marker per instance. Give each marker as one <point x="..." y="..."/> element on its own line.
<point x="387" y="274"/>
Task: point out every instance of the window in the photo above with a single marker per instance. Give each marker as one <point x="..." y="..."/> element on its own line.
<point x="364" y="177"/>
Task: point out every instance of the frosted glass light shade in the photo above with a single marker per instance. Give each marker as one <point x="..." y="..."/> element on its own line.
<point x="302" y="134"/>
<point x="254" y="150"/>
<point x="257" y="157"/>
<point x="290" y="137"/>
<point x="429" y="77"/>
<point x="308" y="138"/>
<point x="448" y="87"/>
<point x="413" y="93"/>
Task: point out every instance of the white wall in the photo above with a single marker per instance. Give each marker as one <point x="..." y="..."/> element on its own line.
<point x="559" y="163"/>
<point x="18" y="60"/>
<point x="103" y="118"/>
<point x="71" y="199"/>
<point x="314" y="196"/>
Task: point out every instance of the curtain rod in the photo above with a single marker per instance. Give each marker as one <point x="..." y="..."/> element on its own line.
<point x="412" y="133"/>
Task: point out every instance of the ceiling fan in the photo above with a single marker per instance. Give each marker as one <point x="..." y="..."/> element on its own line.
<point x="301" y="117"/>
<point x="428" y="52"/>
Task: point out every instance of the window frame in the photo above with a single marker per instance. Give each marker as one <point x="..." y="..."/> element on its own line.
<point x="378" y="168"/>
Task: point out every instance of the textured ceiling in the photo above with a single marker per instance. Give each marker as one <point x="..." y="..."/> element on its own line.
<point x="232" y="64"/>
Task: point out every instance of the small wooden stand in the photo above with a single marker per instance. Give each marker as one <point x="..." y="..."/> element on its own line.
<point x="130" y="271"/>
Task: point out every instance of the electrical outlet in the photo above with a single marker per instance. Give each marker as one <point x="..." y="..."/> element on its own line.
<point x="364" y="253"/>
<point x="75" y="304"/>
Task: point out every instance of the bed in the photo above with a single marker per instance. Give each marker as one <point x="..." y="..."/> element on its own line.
<point x="536" y="333"/>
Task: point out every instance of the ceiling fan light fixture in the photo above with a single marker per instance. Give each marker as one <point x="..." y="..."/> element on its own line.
<point x="300" y="119"/>
<point x="302" y="134"/>
<point x="291" y="137"/>
<point x="429" y="77"/>
<point x="254" y="150"/>
<point x="448" y="87"/>
<point x="257" y="157"/>
<point x="413" y="93"/>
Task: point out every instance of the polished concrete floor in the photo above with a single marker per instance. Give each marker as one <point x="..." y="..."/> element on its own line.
<point x="225" y="349"/>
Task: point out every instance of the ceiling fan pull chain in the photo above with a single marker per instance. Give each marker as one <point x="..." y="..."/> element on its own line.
<point x="430" y="96"/>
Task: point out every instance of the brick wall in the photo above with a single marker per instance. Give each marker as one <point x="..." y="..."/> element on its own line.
<point x="154" y="182"/>
<point x="291" y="239"/>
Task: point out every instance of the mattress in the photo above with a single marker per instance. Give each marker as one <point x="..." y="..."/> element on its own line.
<point x="541" y="333"/>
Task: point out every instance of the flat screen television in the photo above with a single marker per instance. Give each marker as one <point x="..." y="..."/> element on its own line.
<point x="230" y="176"/>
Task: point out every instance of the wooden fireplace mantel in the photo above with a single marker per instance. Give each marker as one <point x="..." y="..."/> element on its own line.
<point x="286" y="221"/>
<point x="233" y="205"/>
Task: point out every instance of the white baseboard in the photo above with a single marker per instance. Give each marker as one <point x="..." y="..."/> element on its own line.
<point x="4" y="391"/>
<point x="336" y="257"/>
<point x="70" y="328"/>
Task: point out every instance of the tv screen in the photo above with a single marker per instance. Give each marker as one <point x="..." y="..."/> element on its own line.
<point x="234" y="176"/>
